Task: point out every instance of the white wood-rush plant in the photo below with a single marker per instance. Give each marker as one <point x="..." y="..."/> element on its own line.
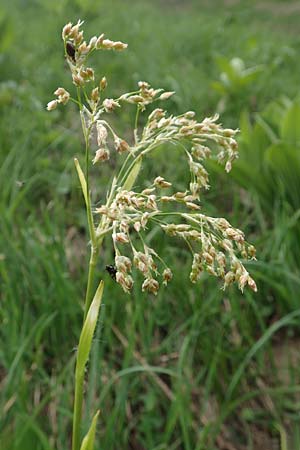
<point x="125" y="214"/>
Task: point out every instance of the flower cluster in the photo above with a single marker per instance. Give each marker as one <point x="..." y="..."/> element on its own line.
<point x="145" y="95"/>
<point x="77" y="51"/>
<point x="62" y="97"/>
<point x="216" y="246"/>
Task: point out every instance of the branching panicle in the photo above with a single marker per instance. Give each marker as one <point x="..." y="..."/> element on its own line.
<point x="216" y="246"/>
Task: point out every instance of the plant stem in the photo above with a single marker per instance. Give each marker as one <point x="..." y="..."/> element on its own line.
<point x="136" y="137"/>
<point x="86" y="133"/>
<point x="77" y="415"/>
<point x="91" y="276"/>
<point x="79" y="376"/>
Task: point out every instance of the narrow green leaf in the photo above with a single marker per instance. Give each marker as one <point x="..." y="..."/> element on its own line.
<point x="81" y="179"/>
<point x="87" y="332"/>
<point x="290" y="131"/>
<point x="284" y="321"/>
<point x="246" y="128"/>
<point x="88" y="440"/>
<point x="130" y="180"/>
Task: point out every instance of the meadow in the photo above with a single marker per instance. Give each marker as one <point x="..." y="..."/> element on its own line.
<point x="195" y="368"/>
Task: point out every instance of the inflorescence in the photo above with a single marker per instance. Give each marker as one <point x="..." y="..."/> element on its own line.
<point x="216" y="246"/>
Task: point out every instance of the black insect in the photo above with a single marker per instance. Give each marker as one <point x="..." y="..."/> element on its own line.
<point x="111" y="270"/>
<point x="70" y="49"/>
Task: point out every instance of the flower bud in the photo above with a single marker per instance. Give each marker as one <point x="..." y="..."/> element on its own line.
<point x="93" y="41"/>
<point x="167" y="276"/>
<point x="101" y="133"/>
<point x="66" y="30"/>
<point x="161" y="182"/>
<point x="63" y="95"/>
<point x="83" y="49"/>
<point x="193" y="206"/>
<point x="52" y="105"/>
<point x="95" y="95"/>
<point x="151" y="285"/>
<point x="99" y="41"/>
<point x="252" y="251"/>
<point x="77" y="80"/>
<point x="166" y="95"/>
<point x="121" y="146"/>
<point x="102" y="154"/>
<point x="103" y="84"/>
<point x="252" y="284"/>
<point x="119" y="46"/>
<point x="110" y="104"/>
<point x="122" y="238"/>
<point x="107" y="44"/>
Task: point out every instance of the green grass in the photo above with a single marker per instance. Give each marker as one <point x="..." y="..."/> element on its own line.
<point x="194" y="368"/>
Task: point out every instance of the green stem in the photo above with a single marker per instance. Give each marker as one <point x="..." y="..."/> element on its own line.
<point x="86" y="133"/>
<point x="136" y="123"/>
<point x="79" y="377"/>
<point x="90" y="283"/>
<point x="95" y="244"/>
<point x="77" y="415"/>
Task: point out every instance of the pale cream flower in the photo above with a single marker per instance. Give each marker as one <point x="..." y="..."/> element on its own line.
<point x="52" y="105"/>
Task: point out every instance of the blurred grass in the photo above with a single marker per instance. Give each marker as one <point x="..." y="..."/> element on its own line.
<point x="195" y="368"/>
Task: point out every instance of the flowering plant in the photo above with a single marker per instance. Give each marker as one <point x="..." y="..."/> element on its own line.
<point x="126" y="214"/>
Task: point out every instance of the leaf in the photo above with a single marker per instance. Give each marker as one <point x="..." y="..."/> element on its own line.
<point x="130" y="180"/>
<point x="290" y="130"/>
<point x="218" y="87"/>
<point x="6" y="32"/>
<point x="250" y="75"/>
<point x="87" y="332"/>
<point x="284" y="321"/>
<point x="246" y="128"/>
<point x="81" y="179"/>
<point x="285" y="162"/>
<point x="89" y="438"/>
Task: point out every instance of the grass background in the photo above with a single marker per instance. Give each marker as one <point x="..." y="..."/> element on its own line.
<point x="194" y="368"/>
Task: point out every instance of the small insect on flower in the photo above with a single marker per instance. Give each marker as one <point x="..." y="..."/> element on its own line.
<point x="70" y="49"/>
<point x="112" y="270"/>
